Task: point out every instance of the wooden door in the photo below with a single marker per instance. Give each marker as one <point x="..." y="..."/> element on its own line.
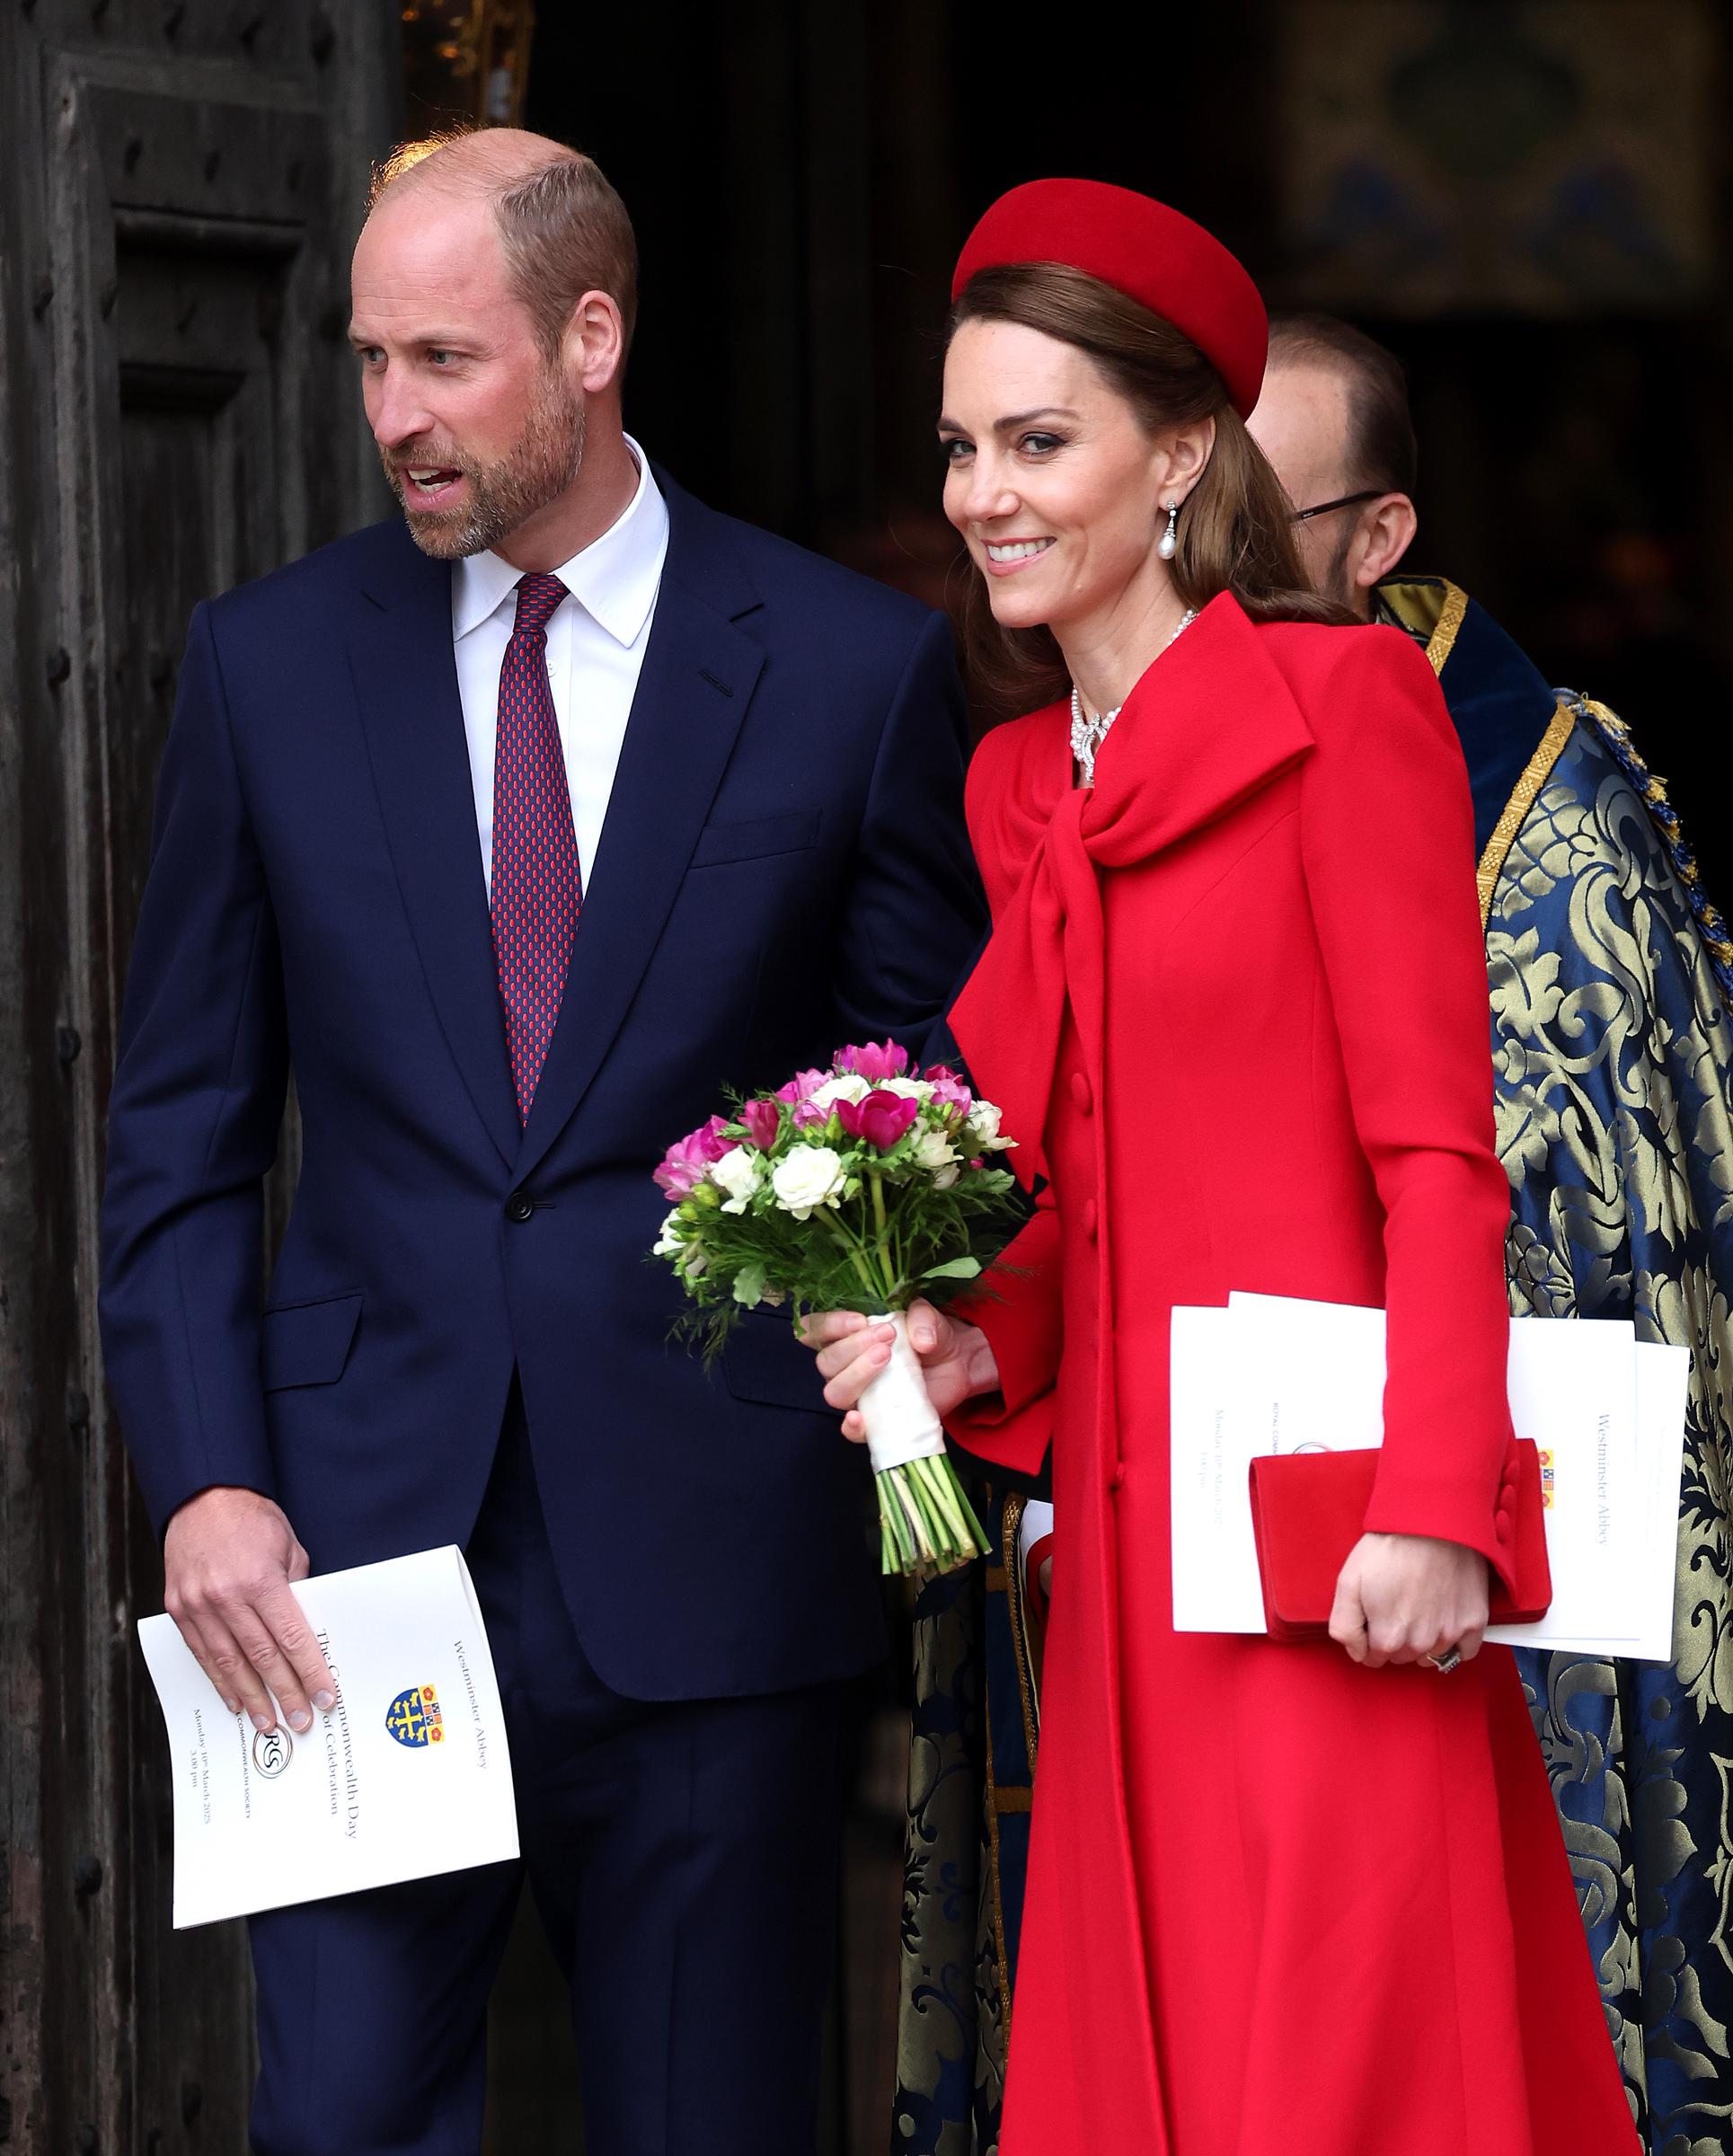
<point x="181" y="180"/>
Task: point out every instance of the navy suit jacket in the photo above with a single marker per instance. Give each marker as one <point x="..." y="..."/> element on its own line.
<point x="784" y="868"/>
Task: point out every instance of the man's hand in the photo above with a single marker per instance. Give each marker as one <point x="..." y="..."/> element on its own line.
<point x="955" y="1358"/>
<point x="228" y="1558"/>
<point x="1401" y="1597"/>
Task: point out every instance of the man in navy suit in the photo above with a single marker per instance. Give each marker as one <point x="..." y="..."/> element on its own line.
<point x="516" y="831"/>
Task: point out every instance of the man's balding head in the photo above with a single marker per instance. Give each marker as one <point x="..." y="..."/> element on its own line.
<point x="1378" y="449"/>
<point x="493" y="293"/>
<point x="1334" y="420"/>
<point x="562" y="229"/>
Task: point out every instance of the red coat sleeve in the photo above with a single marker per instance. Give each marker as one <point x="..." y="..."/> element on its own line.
<point x="1020" y="1313"/>
<point x="1387" y="842"/>
<point x="1020" y="1316"/>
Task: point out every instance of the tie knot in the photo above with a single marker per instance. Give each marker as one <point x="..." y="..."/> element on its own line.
<point x="537" y="597"/>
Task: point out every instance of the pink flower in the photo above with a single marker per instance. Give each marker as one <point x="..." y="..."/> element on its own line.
<point x="881" y="1120"/>
<point x="763" y="1122"/>
<point x="801" y="1087"/>
<point x="874" y="1062"/>
<point x="809" y="1118"/>
<point x="685" y="1164"/>
<point x="949" y="1088"/>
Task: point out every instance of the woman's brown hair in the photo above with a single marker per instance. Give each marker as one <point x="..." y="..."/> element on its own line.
<point x="1236" y="532"/>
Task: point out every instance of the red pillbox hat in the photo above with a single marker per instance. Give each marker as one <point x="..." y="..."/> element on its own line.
<point x="1141" y="247"/>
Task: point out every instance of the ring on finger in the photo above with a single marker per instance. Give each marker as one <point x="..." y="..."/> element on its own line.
<point x="1451" y="1658"/>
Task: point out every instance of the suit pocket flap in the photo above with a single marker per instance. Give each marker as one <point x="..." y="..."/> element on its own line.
<point x="307" y="1343"/>
<point x="764" y="1361"/>
<point x="717" y="842"/>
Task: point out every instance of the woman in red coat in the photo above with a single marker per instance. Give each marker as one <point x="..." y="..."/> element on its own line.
<point x="1283" y="1901"/>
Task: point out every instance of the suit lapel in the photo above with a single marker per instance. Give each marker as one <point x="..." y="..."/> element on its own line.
<point x="406" y="681"/>
<point x="698" y="676"/>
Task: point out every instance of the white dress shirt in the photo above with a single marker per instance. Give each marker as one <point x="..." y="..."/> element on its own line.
<point x="595" y="642"/>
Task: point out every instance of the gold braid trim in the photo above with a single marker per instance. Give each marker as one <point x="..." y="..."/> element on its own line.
<point x="1013" y="1520"/>
<point x="1712" y="923"/>
<point x="1017" y="1599"/>
<point x="1516" y="809"/>
<point x="996" y="1898"/>
<point x="1443" y="638"/>
<point x="1009" y="1573"/>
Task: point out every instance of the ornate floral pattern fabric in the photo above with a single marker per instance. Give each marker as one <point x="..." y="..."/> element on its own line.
<point x="961" y="1854"/>
<point x="1612" y="1044"/>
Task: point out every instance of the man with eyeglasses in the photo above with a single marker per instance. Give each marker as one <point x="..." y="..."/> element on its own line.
<point x="1612" y="980"/>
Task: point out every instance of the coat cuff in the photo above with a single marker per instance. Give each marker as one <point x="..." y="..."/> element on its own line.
<point x="1020" y="1316"/>
<point x="1450" y="1509"/>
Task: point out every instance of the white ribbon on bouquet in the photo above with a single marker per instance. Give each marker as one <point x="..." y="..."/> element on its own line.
<point x="895" y="1407"/>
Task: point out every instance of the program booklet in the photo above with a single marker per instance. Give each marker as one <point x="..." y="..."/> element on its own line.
<point x="408" y="1775"/>
<point x="1273" y="1373"/>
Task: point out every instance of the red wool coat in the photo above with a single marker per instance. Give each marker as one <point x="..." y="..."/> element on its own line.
<point x="1234" y="1010"/>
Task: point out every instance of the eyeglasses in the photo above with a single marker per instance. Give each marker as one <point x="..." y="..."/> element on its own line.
<point x="1345" y="501"/>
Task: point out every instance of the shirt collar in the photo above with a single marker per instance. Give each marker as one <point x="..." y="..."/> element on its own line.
<point x="614" y="579"/>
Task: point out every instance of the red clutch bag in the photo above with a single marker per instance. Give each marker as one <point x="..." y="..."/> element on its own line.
<point x="1308" y="1510"/>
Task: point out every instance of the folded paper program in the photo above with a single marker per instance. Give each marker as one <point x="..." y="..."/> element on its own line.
<point x="1277" y="1374"/>
<point x="407" y="1776"/>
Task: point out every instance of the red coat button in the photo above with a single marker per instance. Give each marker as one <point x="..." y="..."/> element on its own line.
<point x="1501" y="1526"/>
<point x="1117" y="1480"/>
<point x="1083" y="1093"/>
<point x="1092" y="1221"/>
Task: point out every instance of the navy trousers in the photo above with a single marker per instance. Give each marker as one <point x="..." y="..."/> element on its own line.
<point x="683" y="1857"/>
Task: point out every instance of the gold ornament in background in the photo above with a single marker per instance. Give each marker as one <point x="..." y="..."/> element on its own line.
<point x="466" y="61"/>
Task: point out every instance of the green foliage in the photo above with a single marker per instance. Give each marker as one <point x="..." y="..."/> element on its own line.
<point x="899" y="1223"/>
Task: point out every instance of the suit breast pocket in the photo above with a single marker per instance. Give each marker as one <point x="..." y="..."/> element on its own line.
<point x="766" y="835"/>
<point x="764" y="1364"/>
<point x="307" y="1343"/>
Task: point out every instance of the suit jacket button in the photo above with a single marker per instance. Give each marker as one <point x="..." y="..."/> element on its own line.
<point x="1082" y="1092"/>
<point x="519" y="1206"/>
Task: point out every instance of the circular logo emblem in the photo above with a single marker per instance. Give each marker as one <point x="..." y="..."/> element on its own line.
<point x="270" y="1752"/>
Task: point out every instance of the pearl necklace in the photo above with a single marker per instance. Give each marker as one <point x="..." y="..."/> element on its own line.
<point x="1087" y="735"/>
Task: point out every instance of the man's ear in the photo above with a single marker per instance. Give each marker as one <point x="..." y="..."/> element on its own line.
<point x="1387" y="529"/>
<point x="595" y="343"/>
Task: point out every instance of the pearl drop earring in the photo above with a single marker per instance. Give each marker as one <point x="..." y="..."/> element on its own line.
<point x="1168" y="544"/>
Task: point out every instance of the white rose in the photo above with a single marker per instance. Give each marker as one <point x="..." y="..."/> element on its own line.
<point x="983" y="1127"/>
<point x="933" y="1149"/>
<point x="806" y="1178"/>
<point x="944" y="1178"/>
<point x="910" y="1089"/>
<point x="851" y="1086"/>
<point x="739" y="1172"/>
<point x="669" y="1243"/>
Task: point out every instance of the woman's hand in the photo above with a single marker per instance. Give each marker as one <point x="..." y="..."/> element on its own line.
<point x="955" y="1359"/>
<point x="1401" y="1597"/>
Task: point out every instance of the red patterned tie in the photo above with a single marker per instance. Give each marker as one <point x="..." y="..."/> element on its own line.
<point x="537" y="893"/>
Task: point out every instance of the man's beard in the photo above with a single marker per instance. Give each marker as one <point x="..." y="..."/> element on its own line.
<point x="538" y="468"/>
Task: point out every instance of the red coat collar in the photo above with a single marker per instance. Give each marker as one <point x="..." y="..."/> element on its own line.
<point x="1210" y="722"/>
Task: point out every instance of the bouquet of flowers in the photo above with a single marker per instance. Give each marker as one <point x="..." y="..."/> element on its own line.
<point x="858" y="1188"/>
